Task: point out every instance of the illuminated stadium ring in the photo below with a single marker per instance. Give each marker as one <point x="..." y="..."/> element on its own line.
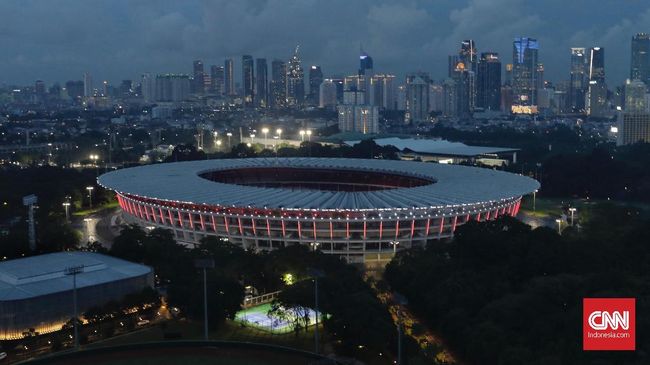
<point x="350" y="207"/>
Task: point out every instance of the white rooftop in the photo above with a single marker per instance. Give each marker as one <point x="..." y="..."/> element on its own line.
<point x="437" y="147"/>
<point x="454" y="185"/>
<point x="45" y="274"/>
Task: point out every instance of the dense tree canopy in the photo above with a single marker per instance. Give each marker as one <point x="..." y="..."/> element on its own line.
<point x="502" y="293"/>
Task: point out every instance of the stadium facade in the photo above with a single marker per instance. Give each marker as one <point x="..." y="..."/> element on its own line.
<point x="360" y="209"/>
<point x="36" y="295"/>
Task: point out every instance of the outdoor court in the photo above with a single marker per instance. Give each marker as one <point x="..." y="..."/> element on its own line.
<point x="259" y="317"/>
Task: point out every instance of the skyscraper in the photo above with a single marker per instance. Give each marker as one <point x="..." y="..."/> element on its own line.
<point x="247" y="79"/>
<point x="171" y="87"/>
<point x="417" y="97"/>
<point x="524" y="75"/>
<point x="88" y="85"/>
<point x="261" y="83"/>
<point x="278" y="85"/>
<point x="148" y="88"/>
<point x="218" y="79"/>
<point x="488" y="85"/>
<point x="327" y="94"/>
<point x="633" y="128"/>
<point x="295" y="81"/>
<point x="229" y="77"/>
<point x="315" y="79"/>
<point x="640" y="60"/>
<point x="468" y="57"/>
<point x="635" y="92"/>
<point x="365" y="64"/>
<point x="198" y="80"/>
<point x="596" y="100"/>
<point x="578" y="81"/>
<point x="462" y="83"/>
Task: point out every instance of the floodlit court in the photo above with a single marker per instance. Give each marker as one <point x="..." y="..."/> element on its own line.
<point x="259" y="317"/>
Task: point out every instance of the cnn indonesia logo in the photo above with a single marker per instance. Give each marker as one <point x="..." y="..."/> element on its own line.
<point x="608" y="324"/>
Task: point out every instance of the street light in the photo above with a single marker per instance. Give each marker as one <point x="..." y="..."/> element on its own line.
<point x="314" y="245"/>
<point x="229" y="135"/>
<point x="205" y="264"/>
<point x="559" y="226"/>
<point x="94" y="158"/>
<point x="394" y="244"/>
<point x="66" y="205"/>
<point x="316" y="273"/>
<point x="534" y="198"/>
<point x="401" y="300"/>
<point x="308" y="135"/>
<point x="266" y="133"/>
<point x="219" y="144"/>
<point x="90" y="195"/>
<point x="572" y="210"/>
<point x="74" y="270"/>
<point x="252" y="138"/>
<point x="279" y="132"/>
<point x="302" y="135"/>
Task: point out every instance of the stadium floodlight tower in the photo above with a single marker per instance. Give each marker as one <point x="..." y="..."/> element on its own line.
<point x="30" y="201"/>
<point x="74" y="271"/>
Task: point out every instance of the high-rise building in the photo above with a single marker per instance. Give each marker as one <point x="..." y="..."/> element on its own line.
<point x="217" y="75"/>
<point x="633" y="128"/>
<point x="88" y="85"/>
<point x="295" y="81"/>
<point x="365" y="64"/>
<point x="468" y="57"/>
<point x="327" y="94"/>
<point x="381" y="91"/>
<point x="452" y="61"/>
<point x="39" y="87"/>
<point x="358" y="118"/>
<point x="596" y="100"/>
<point x="171" y="87"/>
<point x="229" y="76"/>
<point x="315" y="79"/>
<point x="247" y="79"/>
<point x="261" y="83"/>
<point x="488" y="85"/>
<point x="148" y="88"/>
<point x="278" y="85"/>
<point x="462" y="82"/>
<point x="198" y="80"/>
<point x="578" y="82"/>
<point x="468" y="54"/>
<point x="417" y="98"/>
<point x="539" y="77"/>
<point x="524" y="76"/>
<point x="508" y="77"/>
<point x="635" y="94"/>
<point x="640" y="60"/>
<point x="75" y="89"/>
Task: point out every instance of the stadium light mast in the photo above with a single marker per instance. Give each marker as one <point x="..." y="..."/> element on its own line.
<point x="559" y="226"/>
<point x="205" y="264"/>
<point x="66" y="206"/>
<point x="74" y="271"/>
<point x="266" y="136"/>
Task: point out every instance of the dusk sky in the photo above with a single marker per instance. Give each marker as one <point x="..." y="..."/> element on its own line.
<point x="121" y="39"/>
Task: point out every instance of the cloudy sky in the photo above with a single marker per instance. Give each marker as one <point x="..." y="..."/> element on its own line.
<point x="58" y="40"/>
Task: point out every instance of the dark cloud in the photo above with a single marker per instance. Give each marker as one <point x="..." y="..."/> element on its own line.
<point x="116" y="39"/>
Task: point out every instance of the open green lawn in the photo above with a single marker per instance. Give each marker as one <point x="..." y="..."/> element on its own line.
<point x="110" y="205"/>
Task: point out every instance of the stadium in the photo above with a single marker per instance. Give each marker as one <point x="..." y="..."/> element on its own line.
<point x="360" y="209"/>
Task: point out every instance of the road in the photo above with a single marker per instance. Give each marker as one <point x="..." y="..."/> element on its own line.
<point x="102" y="226"/>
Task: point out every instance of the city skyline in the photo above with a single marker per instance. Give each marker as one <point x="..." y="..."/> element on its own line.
<point x="62" y="44"/>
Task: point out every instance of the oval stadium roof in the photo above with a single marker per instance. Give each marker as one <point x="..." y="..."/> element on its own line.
<point x="455" y="185"/>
